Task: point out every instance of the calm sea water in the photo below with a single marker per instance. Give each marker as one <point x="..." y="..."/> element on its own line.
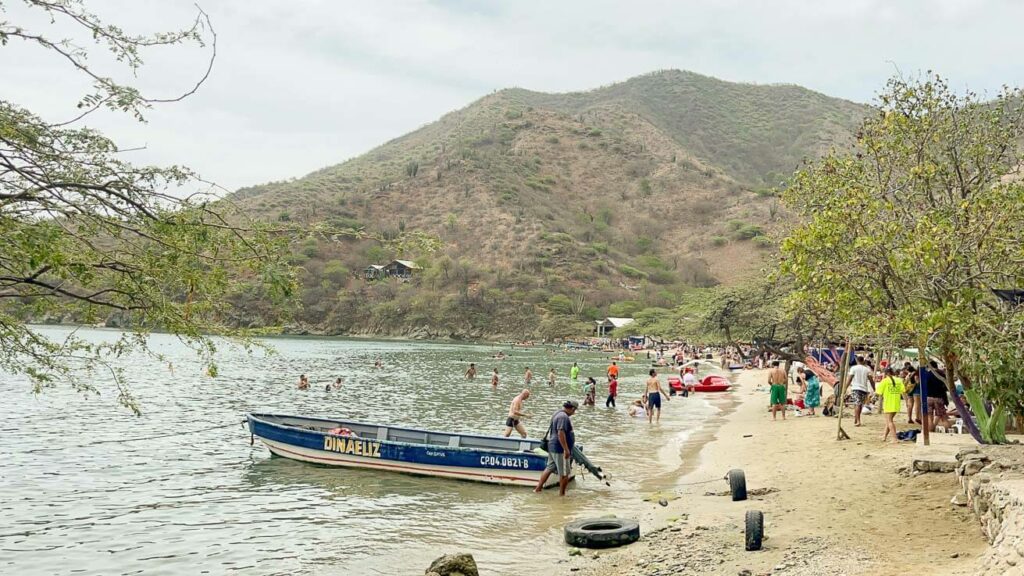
<point x="210" y="503"/>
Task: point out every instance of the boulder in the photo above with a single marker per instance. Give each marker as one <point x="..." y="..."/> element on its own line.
<point x="972" y="467"/>
<point x="921" y="465"/>
<point x="453" y="565"/>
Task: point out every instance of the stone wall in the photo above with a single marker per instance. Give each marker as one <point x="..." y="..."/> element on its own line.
<point x="992" y="482"/>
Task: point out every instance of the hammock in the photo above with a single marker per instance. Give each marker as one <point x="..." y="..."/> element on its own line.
<point x="822" y="373"/>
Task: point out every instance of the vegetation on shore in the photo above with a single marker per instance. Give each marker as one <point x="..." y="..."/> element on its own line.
<point x="902" y="242"/>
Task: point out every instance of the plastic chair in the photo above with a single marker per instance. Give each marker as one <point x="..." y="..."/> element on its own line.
<point x="959" y="425"/>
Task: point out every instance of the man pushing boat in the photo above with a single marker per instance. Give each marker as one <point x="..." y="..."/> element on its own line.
<point x="560" y="441"/>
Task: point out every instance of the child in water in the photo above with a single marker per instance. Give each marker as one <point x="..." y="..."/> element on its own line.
<point x="591" y="397"/>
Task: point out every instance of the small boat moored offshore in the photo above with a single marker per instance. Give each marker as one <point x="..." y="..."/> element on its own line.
<point x="493" y="459"/>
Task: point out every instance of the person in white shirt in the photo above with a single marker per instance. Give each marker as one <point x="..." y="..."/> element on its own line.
<point x="861" y="386"/>
<point x="689" y="379"/>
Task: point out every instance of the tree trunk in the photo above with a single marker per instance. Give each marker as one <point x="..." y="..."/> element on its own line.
<point x="841" y="394"/>
<point x="965" y="414"/>
<point x="922" y="363"/>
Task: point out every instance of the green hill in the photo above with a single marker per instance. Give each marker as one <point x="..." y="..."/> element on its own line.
<point x="554" y="209"/>
<point x="753" y="133"/>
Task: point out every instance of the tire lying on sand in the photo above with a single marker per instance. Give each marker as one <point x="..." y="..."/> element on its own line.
<point x="754" y="529"/>
<point x="602" y="532"/>
<point x="737" y="484"/>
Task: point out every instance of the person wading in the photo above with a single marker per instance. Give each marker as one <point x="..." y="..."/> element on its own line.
<point x="528" y="376"/>
<point x="777" y="384"/>
<point x="561" y="440"/>
<point x="516" y="414"/>
<point x="654" y="393"/>
<point x="471" y="371"/>
<point x="613" y="371"/>
<point x="613" y="391"/>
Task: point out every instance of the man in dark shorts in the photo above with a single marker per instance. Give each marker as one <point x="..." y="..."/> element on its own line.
<point x="561" y="440"/>
<point x="937" y="396"/>
<point x="654" y="392"/>
<point x="515" y="414"/>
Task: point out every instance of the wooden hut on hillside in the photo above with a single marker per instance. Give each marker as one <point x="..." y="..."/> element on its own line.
<point x="401" y="269"/>
<point x="373" y="272"/>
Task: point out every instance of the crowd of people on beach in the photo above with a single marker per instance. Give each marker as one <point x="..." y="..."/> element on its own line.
<point x="887" y="386"/>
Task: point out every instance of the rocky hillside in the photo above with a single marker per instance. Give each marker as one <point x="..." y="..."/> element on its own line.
<point x="553" y="209"/>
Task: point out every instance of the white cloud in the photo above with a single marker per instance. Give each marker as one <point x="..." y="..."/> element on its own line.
<point x="303" y="84"/>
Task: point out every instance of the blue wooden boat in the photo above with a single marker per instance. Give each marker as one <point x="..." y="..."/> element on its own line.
<point x="493" y="459"/>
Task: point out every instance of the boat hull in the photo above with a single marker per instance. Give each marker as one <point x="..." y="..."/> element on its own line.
<point x="711" y="388"/>
<point x="711" y="383"/>
<point x="515" y="468"/>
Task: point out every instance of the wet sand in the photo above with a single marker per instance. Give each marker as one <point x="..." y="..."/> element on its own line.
<point x="834" y="507"/>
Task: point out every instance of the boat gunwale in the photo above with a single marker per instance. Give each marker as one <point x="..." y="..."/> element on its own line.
<point x="256" y="416"/>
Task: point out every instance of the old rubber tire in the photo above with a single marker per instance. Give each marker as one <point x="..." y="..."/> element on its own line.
<point x="737" y="485"/>
<point x="602" y="532"/>
<point x="754" y="529"/>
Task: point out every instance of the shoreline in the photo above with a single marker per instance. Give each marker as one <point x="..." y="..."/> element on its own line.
<point x="830" y="508"/>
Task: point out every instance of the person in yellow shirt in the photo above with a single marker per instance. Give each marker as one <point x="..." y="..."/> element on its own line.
<point x="891" y="390"/>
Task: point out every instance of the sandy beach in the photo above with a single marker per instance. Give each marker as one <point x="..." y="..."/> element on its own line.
<point x="830" y="507"/>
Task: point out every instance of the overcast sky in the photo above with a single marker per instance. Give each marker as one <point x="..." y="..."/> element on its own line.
<point x="301" y="84"/>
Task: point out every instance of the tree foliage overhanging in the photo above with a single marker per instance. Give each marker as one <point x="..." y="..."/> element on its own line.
<point x="84" y="234"/>
<point x="905" y="237"/>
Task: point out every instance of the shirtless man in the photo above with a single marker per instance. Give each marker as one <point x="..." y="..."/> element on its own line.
<point x="528" y="376"/>
<point x="515" y="414"/>
<point x="494" y="378"/>
<point x="303" y="382"/>
<point x="654" y="393"/>
<point x="552" y="377"/>
<point x="471" y="371"/>
<point x="777" y="380"/>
